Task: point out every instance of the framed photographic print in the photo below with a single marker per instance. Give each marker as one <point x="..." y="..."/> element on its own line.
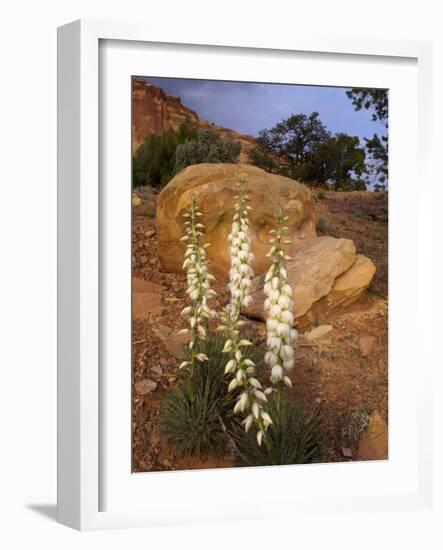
<point x="239" y="252"/>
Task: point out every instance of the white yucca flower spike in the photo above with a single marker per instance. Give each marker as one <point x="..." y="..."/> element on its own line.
<point x="251" y="401"/>
<point x="199" y="282"/>
<point x="280" y="333"/>
<point x="241" y="272"/>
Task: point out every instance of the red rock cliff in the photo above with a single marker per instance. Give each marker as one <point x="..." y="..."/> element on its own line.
<point x="154" y="112"/>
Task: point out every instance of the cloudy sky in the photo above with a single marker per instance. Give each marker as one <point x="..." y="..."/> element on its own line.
<point x="249" y="107"/>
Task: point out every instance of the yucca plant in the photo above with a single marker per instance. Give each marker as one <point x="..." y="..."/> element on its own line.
<point x="190" y="419"/>
<point x="199" y="281"/>
<point x="292" y="438"/>
<point x="196" y="416"/>
<point x="251" y="396"/>
<point x="281" y="335"/>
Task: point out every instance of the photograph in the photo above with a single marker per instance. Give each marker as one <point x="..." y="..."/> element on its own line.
<point x="259" y="274"/>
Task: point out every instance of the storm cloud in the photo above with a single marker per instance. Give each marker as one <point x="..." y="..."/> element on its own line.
<point x="249" y="107"/>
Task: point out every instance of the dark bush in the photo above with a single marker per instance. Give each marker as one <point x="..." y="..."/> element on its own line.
<point x="322" y="225"/>
<point x="154" y="161"/>
<point x="261" y="157"/>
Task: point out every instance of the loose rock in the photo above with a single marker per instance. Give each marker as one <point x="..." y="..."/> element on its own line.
<point x="136" y="201"/>
<point x="347" y="452"/>
<point x="157" y="372"/>
<point x="145" y="386"/>
<point x="146" y="299"/>
<point x="374" y="443"/>
<point x="366" y="344"/>
<point x="173" y="341"/>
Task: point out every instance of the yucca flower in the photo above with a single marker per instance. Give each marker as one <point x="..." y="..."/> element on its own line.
<point x="199" y="281"/>
<point x="241" y="272"/>
<point x="278" y="304"/>
<point x="251" y="398"/>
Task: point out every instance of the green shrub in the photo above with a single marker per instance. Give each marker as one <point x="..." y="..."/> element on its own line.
<point x="154" y="161"/>
<point x="358" y="423"/>
<point x="262" y="158"/>
<point x="146" y="193"/>
<point x="161" y="156"/>
<point x="208" y="147"/>
<point x="293" y="435"/>
<point x="322" y="224"/>
<point x="146" y="209"/>
<point x="321" y="195"/>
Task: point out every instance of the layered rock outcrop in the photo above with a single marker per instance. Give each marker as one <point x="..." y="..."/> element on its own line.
<point x="348" y="287"/>
<point x="319" y="267"/>
<point x="153" y="112"/>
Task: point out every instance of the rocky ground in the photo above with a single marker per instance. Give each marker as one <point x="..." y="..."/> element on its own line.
<point x="341" y="365"/>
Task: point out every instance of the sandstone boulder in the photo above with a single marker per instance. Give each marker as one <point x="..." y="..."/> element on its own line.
<point x="145" y="386"/>
<point x="312" y="271"/>
<point x="146" y="299"/>
<point x="318" y="332"/>
<point x="348" y="287"/>
<point x="214" y="186"/>
<point x="172" y="339"/>
<point x="136" y="201"/>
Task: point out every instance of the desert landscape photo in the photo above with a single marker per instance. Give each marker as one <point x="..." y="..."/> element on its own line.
<point x="259" y="274"/>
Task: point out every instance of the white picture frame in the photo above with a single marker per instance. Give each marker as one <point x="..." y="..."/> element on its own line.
<point x="81" y="411"/>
